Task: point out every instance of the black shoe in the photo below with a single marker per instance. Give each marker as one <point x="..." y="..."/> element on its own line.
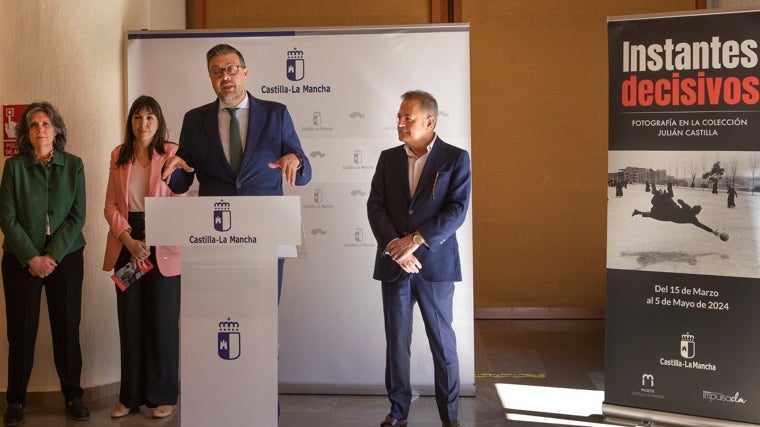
<point x="76" y="409"/>
<point x="14" y="415"/>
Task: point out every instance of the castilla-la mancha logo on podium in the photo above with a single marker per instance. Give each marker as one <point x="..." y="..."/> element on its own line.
<point x="228" y="339"/>
<point x="222" y="216"/>
<point x="295" y="65"/>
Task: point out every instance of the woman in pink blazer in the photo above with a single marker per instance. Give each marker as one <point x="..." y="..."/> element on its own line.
<point x="148" y="309"/>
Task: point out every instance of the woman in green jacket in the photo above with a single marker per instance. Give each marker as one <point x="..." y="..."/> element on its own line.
<point x="42" y="212"/>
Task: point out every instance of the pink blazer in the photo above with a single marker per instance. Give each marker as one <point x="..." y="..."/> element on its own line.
<point x="116" y="210"/>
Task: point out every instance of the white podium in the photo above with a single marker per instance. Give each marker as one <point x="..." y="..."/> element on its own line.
<point x="228" y="321"/>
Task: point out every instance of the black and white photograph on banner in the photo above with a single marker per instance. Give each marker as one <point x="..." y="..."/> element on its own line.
<point x="684" y="212"/>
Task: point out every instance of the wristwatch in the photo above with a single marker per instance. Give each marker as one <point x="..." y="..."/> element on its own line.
<point x="417" y="238"/>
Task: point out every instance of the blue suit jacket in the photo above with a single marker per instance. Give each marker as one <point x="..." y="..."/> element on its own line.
<point x="437" y="209"/>
<point x="271" y="135"/>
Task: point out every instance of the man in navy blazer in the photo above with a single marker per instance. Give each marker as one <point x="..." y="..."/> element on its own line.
<point x="271" y="149"/>
<point x="211" y="135"/>
<point x="419" y="198"/>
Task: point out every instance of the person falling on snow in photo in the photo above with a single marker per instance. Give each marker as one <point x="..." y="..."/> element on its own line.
<point x="665" y="209"/>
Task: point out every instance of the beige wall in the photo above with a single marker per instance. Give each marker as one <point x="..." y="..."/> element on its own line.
<point x="71" y="54"/>
<point x="539" y="138"/>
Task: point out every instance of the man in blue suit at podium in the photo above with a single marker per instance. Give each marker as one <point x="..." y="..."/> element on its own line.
<point x="237" y="145"/>
<point x="419" y="198"/>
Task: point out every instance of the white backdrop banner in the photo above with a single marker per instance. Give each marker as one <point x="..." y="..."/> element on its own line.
<point x="342" y="87"/>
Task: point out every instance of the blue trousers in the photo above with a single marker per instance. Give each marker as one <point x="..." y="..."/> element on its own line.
<point x="435" y="300"/>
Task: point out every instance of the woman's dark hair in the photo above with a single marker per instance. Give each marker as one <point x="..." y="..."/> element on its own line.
<point x="127" y="153"/>
<point x="22" y="128"/>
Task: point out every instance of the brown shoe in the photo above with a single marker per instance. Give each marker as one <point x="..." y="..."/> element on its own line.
<point x="163" y="411"/>
<point x="392" y="422"/>
<point x="123" y="411"/>
<point x="451" y="423"/>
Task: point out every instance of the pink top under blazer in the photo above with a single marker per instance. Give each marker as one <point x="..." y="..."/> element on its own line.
<point x="116" y="210"/>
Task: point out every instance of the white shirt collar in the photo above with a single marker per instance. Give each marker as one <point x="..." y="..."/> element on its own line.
<point x="429" y="147"/>
<point x="243" y="104"/>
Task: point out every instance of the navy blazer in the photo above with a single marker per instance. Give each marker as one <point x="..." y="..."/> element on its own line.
<point x="437" y="209"/>
<point x="271" y="135"/>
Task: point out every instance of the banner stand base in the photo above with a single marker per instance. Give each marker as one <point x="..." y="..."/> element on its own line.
<point x="626" y="414"/>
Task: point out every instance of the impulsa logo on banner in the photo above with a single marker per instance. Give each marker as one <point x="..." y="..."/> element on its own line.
<point x="726" y="398"/>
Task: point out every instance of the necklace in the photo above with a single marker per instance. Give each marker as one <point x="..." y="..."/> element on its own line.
<point x="47" y="160"/>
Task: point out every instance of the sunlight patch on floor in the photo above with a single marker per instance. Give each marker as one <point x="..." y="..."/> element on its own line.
<point x="552" y="400"/>
<point x="558" y="421"/>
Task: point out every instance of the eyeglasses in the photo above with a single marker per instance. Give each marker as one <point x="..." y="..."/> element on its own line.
<point x="231" y="71"/>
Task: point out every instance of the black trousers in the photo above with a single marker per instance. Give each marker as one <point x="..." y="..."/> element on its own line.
<point x="23" y="293"/>
<point x="148" y="313"/>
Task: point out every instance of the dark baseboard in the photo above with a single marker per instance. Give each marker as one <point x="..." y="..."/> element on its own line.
<point x="55" y="397"/>
<point x="539" y="313"/>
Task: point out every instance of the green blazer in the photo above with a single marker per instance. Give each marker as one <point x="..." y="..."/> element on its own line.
<point x="30" y="194"/>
